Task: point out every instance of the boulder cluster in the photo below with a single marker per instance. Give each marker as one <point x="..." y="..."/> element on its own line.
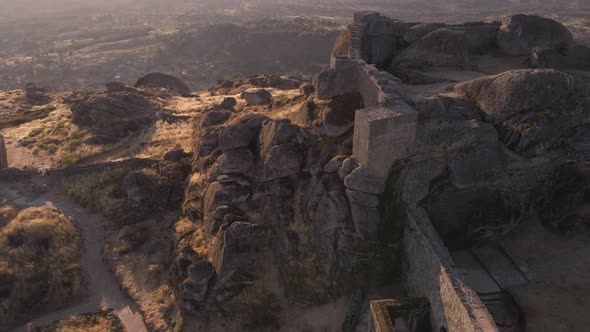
<point x="270" y="196"/>
<point x="405" y="49"/>
<point x="116" y="113"/>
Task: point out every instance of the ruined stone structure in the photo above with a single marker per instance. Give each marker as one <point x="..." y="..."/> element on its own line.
<point x="3" y="155"/>
<point x="384" y="130"/>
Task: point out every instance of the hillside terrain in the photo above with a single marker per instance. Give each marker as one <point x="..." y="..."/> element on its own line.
<point x="202" y="168"/>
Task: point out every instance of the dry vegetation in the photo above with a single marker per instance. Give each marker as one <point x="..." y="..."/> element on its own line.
<point x="102" y="321"/>
<point x="7" y="213"/>
<point x="39" y="263"/>
<point x="139" y="253"/>
<point x="96" y="191"/>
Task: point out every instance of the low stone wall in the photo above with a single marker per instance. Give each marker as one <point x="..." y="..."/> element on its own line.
<point x="355" y="76"/>
<point x="387" y="125"/>
<point x="13" y="174"/>
<point x="428" y="271"/>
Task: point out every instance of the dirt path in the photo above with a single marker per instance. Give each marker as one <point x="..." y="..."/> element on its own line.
<point x="103" y="288"/>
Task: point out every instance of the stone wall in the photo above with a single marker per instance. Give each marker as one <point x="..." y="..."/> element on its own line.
<point x="3" y="155"/>
<point x="428" y="271"/>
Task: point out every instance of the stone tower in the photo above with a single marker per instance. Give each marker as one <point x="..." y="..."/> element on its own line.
<point x="3" y="156"/>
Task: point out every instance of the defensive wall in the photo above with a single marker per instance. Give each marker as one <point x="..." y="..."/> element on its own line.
<point x="383" y="131"/>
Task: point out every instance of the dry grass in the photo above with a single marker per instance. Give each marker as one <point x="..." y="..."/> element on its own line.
<point x="166" y="137"/>
<point x="102" y="321"/>
<point x="39" y="263"/>
<point x="97" y="190"/>
<point x="57" y="136"/>
<point x="7" y="213"/>
<point x="140" y="255"/>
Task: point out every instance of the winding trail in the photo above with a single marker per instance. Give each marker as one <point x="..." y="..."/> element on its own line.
<point x="103" y="289"/>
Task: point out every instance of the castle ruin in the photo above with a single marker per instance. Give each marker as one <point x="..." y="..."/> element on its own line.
<point x="384" y="132"/>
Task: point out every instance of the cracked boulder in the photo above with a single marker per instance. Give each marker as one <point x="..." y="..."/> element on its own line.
<point x="517" y="91"/>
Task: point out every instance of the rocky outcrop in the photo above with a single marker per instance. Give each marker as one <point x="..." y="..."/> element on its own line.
<point x="519" y="34"/>
<point x="257" y="97"/>
<point x="111" y="116"/>
<point x="564" y="199"/>
<point x="228" y="103"/>
<point x="440" y="48"/>
<point x="502" y="96"/>
<point x="36" y="95"/>
<point x="163" y="81"/>
<point x="573" y="56"/>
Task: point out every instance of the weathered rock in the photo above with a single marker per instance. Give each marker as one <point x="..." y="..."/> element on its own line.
<point x="226" y="194"/>
<point x="334" y="164"/>
<point x="195" y="288"/>
<point x="415" y="180"/>
<point x="420" y="30"/>
<point x="228" y="103"/>
<point x="175" y="154"/>
<point x="572" y="57"/>
<point x="276" y="132"/>
<point x="348" y="165"/>
<point x="327" y="209"/>
<point x="253" y="120"/>
<point x="280" y="161"/>
<point x="475" y="164"/>
<point x="111" y="116"/>
<point x="221" y="218"/>
<point x="257" y="97"/>
<point x="117" y="87"/>
<point x="275" y="188"/>
<point x="315" y="159"/>
<point x="210" y="137"/>
<point x="306" y="114"/>
<point x="464" y="217"/>
<point x="366" y="220"/>
<point x="163" y="81"/>
<point x="213" y="118"/>
<point x="234" y="257"/>
<point x="236" y="161"/>
<point x="566" y="203"/>
<point x="136" y="187"/>
<point x="237" y="135"/>
<point x="516" y="91"/>
<point x="362" y="180"/>
<point x="306" y="89"/>
<point x="441" y="48"/>
<point x="382" y="39"/>
<point x="482" y="37"/>
<point x="519" y="34"/>
<point x="361" y="198"/>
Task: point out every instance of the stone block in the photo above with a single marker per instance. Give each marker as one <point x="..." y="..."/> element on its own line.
<point x="382" y="135"/>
